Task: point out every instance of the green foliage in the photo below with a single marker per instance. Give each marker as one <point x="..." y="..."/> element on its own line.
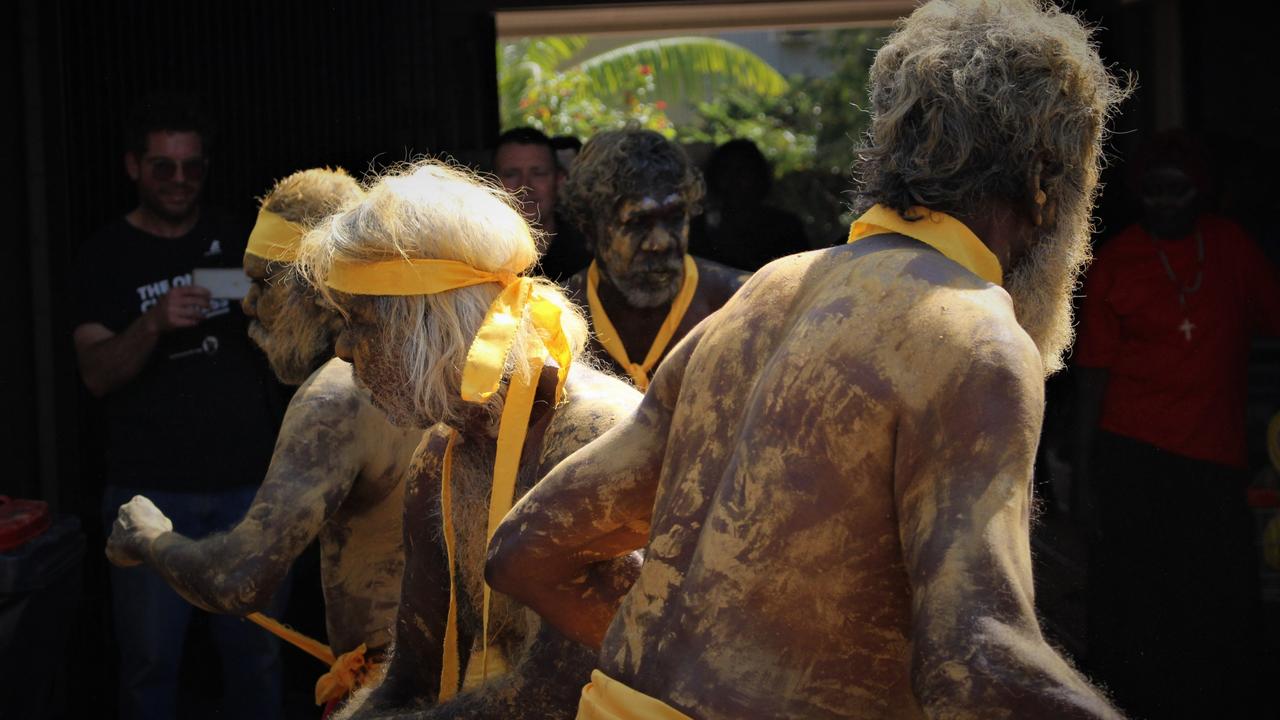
<point x="813" y="126"/>
<point x="683" y="67"/>
<point x="542" y="84"/>
<point x="805" y="124"/>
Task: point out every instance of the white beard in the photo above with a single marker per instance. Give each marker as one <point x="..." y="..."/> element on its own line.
<point x="1043" y="281"/>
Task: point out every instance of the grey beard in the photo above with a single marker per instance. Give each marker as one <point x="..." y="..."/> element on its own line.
<point x="294" y="364"/>
<point x="645" y="297"/>
<point x="1042" y="283"/>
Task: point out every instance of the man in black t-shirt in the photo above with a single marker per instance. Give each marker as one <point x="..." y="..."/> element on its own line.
<point x="187" y="402"/>
<point x="525" y="162"/>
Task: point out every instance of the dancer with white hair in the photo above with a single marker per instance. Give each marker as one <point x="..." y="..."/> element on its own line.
<point x="447" y="333"/>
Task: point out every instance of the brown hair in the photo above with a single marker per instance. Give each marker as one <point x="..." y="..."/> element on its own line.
<point x="618" y="163"/>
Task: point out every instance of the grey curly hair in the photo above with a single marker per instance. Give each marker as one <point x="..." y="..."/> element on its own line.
<point x="971" y="98"/>
<point x="617" y="163"/>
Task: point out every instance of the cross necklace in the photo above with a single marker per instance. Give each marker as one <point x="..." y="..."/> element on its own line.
<point x="1184" y="290"/>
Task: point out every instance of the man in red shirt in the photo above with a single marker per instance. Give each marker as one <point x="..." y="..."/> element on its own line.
<point x="1169" y="310"/>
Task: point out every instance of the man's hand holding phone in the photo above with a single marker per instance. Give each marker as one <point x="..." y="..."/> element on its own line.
<point x="182" y="307"/>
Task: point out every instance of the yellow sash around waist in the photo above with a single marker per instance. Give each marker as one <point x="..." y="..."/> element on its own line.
<point x="612" y="342"/>
<point x="938" y="230"/>
<point x="607" y="699"/>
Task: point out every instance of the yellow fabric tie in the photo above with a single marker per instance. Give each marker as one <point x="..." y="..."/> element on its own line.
<point x="314" y="648"/>
<point x="612" y="342"/>
<point x="346" y="672"/>
<point x="274" y="238"/>
<point x="938" y="230"/>
<point x="450" y="661"/>
<point x="482" y="376"/>
<point x="607" y="699"/>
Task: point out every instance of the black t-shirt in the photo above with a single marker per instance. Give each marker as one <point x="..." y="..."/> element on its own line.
<point x="203" y="413"/>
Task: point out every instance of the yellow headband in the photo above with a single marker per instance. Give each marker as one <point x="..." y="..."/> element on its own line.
<point x="487" y="356"/>
<point x="274" y="238"/>
<point x="409" y="276"/>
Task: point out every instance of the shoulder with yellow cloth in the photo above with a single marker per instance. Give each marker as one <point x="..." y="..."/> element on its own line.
<point x="450" y="336"/>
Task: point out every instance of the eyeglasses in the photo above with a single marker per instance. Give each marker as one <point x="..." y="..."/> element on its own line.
<point x="167" y="169"/>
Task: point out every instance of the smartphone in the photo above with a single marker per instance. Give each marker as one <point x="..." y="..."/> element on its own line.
<point x="227" y="283"/>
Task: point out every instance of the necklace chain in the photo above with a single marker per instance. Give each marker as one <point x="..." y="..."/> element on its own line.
<point x="1185" y="290"/>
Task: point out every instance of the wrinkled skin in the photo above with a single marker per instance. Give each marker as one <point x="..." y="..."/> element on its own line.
<point x="336" y="473"/>
<point x="640" y="252"/>
<point x="547" y="670"/>
<point x="288" y="320"/>
<point x="831" y="481"/>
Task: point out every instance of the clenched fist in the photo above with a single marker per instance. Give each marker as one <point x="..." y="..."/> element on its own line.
<point x="137" y="525"/>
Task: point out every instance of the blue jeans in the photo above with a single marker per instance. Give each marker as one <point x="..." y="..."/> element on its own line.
<point x="151" y="619"/>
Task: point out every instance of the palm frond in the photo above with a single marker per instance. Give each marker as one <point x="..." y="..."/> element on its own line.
<point x="684" y="68"/>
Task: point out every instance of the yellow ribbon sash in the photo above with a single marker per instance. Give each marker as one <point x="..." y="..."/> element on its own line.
<point x="347" y="671"/>
<point x="450" y="661"/>
<point x="274" y="238"/>
<point x="607" y="699"/>
<point x="938" y="230"/>
<point x="612" y="342"/>
<point x="481" y="377"/>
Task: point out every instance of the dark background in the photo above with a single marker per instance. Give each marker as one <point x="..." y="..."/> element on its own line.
<point x="295" y="84"/>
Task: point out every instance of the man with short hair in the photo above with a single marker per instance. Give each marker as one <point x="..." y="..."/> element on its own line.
<point x="525" y="162"/>
<point x="831" y="475"/>
<point x="189" y="407"/>
<point x="449" y="334"/>
<point x="632" y="193"/>
<point x="337" y="472"/>
<point x="739" y="228"/>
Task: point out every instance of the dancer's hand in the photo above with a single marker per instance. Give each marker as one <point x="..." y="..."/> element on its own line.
<point x="137" y="525"/>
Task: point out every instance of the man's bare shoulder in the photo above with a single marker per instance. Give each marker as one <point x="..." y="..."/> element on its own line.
<point x="331" y="398"/>
<point x="427" y="461"/>
<point x="949" y="329"/>
<point x="910" y="284"/>
<point x="886" y="309"/>
<point x="597" y="401"/>
<point x="332" y="383"/>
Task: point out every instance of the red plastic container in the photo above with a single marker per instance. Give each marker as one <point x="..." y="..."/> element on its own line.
<point x="21" y="521"/>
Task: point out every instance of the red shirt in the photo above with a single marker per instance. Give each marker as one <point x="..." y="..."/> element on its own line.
<point x="1177" y="377"/>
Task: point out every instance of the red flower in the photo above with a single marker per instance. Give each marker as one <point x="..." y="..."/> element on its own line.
<point x="646" y="70"/>
<point x="661" y="104"/>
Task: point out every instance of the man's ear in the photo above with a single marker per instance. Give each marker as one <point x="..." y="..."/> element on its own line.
<point x="132" y="166"/>
<point x="1043" y="183"/>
